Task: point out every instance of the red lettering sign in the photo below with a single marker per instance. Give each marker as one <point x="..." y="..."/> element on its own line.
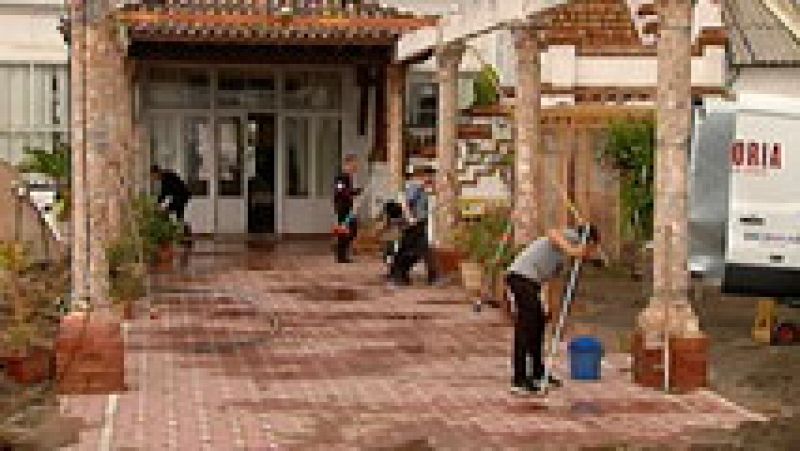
<point x="753" y="154"/>
<point x="756" y="156"/>
<point x="737" y="153"/>
<point x="775" y="156"/>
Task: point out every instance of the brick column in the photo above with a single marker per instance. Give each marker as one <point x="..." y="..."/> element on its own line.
<point x="395" y="89"/>
<point x="527" y="117"/>
<point x="673" y="120"/>
<point x="446" y="214"/>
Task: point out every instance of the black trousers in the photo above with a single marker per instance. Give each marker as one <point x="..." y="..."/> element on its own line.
<point x="178" y="207"/>
<point x="529" y="326"/>
<point x="413" y="247"/>
<point x="343" y="242"/>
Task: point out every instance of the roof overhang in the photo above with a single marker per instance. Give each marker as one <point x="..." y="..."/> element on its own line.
<point x="459" y="28"/>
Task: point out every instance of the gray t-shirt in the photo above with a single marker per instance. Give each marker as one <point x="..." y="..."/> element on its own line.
<point x="542" y="260"/>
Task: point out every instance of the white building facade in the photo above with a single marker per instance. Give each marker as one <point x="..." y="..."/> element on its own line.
<point x="34" y="97"/>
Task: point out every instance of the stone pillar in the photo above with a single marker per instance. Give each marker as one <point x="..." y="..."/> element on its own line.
<point x="527" y="117"/>
<point x="395" y="89"/>
<point x="98" y="148"/>
<point x="80" y="230"/>
<point x="669" y="305"/>
<point x="446" y="214"/>
<point x="112" y="104"/>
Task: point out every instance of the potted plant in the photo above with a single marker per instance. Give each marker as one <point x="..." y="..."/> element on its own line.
<point x="33" y="294"/>
<point x="159" y="232"/>
<point x="478" y="240"/>
<point x="126" y="274"/>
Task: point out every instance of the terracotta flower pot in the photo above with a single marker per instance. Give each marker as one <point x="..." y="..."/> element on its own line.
<point x="164" y="257"/>
<point x="32" y="366"/>
<point x="124" y="309"/>
<point x="447" y="261"/>
<point x="472" y="276"/>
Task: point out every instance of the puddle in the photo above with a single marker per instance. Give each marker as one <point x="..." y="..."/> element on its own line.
<point x="444" y="302"/>
<point x="259" y="264"/>
<point x="323" y="293"/>
<point x="527" y="408"/>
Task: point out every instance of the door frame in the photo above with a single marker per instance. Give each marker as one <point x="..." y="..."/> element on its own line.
<point x="280" y="113"/>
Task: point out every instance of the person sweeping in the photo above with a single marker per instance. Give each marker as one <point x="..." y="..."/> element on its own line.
<point x="540" y="262"/>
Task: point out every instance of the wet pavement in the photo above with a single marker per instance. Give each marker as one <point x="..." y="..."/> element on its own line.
<point x="265" y="347"/>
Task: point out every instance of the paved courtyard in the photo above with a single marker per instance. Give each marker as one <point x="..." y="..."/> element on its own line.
<point x="256" y="347"/>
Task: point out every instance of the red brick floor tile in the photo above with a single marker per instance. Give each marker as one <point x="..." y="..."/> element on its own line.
<point x="353" y="365"/>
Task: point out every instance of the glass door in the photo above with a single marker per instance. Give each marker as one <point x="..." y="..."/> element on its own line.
<point x="199" y="168"/>
<point x="230" y="193"/>
<point x="312" y="158"/>
<point x="261" y="173"/>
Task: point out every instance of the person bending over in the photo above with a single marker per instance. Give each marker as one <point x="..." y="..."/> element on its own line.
<point x="539" y="263"/>
<point x="172" y="189"/>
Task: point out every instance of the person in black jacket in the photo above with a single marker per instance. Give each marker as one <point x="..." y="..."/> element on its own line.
<point x="173" y="189"/>
<point x="343" y="197"/>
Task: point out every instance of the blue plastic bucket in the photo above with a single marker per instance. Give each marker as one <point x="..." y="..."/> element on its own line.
<point x="585" y="354"/>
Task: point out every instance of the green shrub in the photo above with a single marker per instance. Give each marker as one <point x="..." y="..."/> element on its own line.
<point x="485" y="87"/>
<point x="481" y="240"/>
<point x="55" y="165"/>
<point x="630" y="148"/>
<point x="155" y="226"/>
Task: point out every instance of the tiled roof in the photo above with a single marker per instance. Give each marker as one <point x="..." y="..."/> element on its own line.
<point x="259" y="20"/>
<point x="758" y="37"/>
<point x="591" y="24"/>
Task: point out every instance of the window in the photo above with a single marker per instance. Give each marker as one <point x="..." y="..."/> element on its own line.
<point x="33" y="108"/>
<point x="313" y="90"/>
<point x="237" y="89"/>
<point x="170" y="87"/>
<point x="424" y="104"/>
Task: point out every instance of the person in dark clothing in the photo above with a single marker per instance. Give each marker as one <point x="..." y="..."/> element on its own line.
<point x="343" y="199"/>
<point x="414" y="241"/>
<point x="539" y="263"/>
<point x="172" y="189"/>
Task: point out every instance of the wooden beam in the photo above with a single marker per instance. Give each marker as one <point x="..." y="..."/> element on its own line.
<point x="200" y="19"/>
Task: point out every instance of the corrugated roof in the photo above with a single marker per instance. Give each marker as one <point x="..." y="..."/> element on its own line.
<point x="758" y="37"/>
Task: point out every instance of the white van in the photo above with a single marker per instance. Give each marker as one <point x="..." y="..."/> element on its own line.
<point x="762" y="250"/>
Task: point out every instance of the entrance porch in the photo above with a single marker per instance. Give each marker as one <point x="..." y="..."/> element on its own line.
<point x="254" y="105"/>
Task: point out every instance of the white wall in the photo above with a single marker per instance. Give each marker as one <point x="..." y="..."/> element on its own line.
<point x="30" y="33"/>
<point x="784" y="81"/>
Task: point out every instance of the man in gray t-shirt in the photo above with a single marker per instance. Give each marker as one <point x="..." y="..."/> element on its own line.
<point x="537" y="264"/>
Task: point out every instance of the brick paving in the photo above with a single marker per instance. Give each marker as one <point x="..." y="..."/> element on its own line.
<point x="280" y="349"/>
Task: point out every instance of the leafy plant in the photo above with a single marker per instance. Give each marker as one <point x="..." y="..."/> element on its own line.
<point x="480" y="239"/>
<point x="55" y="165"/>
<point x="485" y="87"/>
<point x="630" y="148"/>
<point x="33" y="292"/>
<point x="126" y="270"/>
<point x="155" y="227"/>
